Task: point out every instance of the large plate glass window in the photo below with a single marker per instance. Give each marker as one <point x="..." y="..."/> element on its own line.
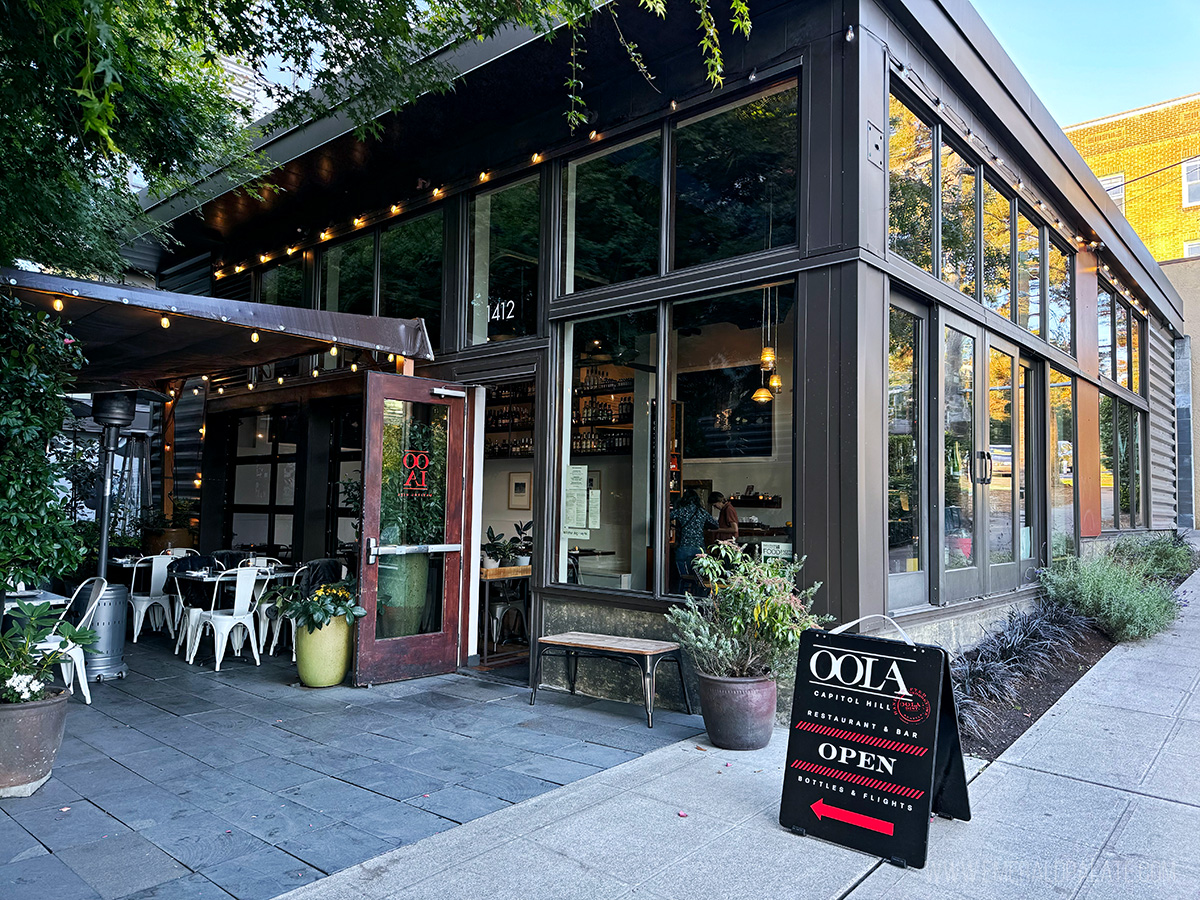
<point x="735" y="179"/>
<point x="1029" y="275"/>
<point x="910" y="185"/>
<point x="282" y="285"/>
<point x="410" y="272"/>
<point x="728" y="475"/>
<point x="997" y="250"/>
<point x="348" y="277"/>
<point x="959" y="207"/>
<point x="1059" y="297"/>
<point x="1062" y="465"/>
<point x="606" y="512"/>
<point x="503" y="276"/>
<point x="1104" y="314"/>
<point x="611" y="211"/>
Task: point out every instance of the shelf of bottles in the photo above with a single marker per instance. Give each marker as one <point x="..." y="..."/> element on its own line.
<point x="508" y="422"/>
<point x="602" y="414"/>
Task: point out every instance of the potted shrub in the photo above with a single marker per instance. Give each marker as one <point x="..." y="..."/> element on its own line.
<point x="323" y="622"/>
<point x="741" y="638"/>
<point x="32" y="714"/>
<point x="523" y="549"/>
<point x="497" y="550"/>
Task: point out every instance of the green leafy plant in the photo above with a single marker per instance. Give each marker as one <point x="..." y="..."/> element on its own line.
<point x="318" y="609"/>
<point x="751" y="625"/>
<point x="1162" y="557"/>
<point x="1125" y="603"/>
<point x="25" y="667"/>
<point x="38" y="359"/>
<point x="524" y="538"/>
<point x="499" y="548"/>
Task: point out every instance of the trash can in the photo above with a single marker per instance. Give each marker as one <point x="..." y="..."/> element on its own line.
<point x="106" y="657"/>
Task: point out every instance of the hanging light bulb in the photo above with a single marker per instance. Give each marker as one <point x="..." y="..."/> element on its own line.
<point x="315" y="373"/>
<point x="279" y="380"/>
<point x="164" y="322"/>
<point x="775" y="383"/>
<point x="254" y="337"/>
<point x="391" y="357"/>
<point x="766" y="360"/>
<point x="354" y="367"/>
<point x="220" y="390"/>
<point x="58" y="304"/>
<point x="333" y="350"/>
<point x="249" y="385"/>
<point x="195" y="391"/>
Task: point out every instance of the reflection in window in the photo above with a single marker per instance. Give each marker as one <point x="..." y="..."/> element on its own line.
<point x="1104" y="312"/>
<point x="1122" y="315"/>
<point x="1058" y="297"/>
<point x="1062" y="465"/>
<point x="735" y="179"/>
<point x="504" y="263"/>
<point x="910" y="186"/>
<point x="958" y="222"/>
<point x="905" y="421"/>
<point x="607" y="515"/>
<point x="611" y="204"/>
<point x="283" y="285"/>
<point x="410" y="272"/>
<point x="1125" y="417"/>
<point x="959" y="443"/>
<point x="1000" y="445"/>
<point x="725" y="431"/>
<point x="1029" y="289"/>
<point x="348" y="277"/>
<point x="262" y="488"/>
<point x="1108" y="461"/>
<point x="1135" y="353"/>
<point x="997" y="250"/>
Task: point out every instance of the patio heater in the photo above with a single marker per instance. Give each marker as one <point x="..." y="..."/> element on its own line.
<point x="105" y="658"/>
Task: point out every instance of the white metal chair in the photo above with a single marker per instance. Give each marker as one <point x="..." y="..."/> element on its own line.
<point x="248" y="585"/>
<point x="155" y="596"/>
<point x="73" y="665"/>
<point x="277" y="622"/>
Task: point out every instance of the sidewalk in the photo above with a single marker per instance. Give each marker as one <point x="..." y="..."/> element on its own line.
<point x="1099" y="799"/>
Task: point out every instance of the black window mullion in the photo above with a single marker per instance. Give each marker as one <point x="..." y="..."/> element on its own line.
<point x="935" y="242"/>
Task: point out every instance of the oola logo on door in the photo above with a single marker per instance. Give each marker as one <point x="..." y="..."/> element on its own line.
<point x="416" y="470"/>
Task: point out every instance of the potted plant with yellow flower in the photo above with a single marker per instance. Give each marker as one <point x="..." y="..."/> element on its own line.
<point x="324" y="620"/>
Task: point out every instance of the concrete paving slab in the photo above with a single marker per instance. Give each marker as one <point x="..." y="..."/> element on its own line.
<point x="141" y="809"/>
<point x="16" y="843"/>
<point x="69" y="826"/>
<point x="261" y="875"/>
<point x="1117" y="877"/>
<point x="459" y="804"/>
<point x="121" y="865"/>
<point x="729" y="790"/>
<point x="202" y="839"/>
<point x="44" y="877"/>
<point x="190" y="887"/>
<point x="336" y="847"/>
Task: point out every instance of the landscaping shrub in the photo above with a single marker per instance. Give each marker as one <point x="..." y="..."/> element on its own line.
<point x="1119" y="597"/>
<point x="1161" y="557"/>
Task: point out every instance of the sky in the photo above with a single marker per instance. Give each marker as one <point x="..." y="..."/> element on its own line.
<point x="1091" y="59"/>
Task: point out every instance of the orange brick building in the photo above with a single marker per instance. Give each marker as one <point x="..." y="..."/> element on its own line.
<point x="1149" y="161"/>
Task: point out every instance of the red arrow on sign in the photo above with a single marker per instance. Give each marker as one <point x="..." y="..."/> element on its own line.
<point x="852" y="818"/>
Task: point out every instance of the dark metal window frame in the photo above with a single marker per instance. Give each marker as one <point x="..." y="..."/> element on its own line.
<point x="1137" y="418"/>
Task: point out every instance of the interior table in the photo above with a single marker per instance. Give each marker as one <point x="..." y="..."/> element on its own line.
<point x="508" y="578"/>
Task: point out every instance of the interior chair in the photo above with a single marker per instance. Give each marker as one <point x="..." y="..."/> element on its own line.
<point x="247" y="587"/>
<point x="72" y="665"/>
<point x="156" y="594"/>
<point x="512" y="599"/>
<point x="267" y="622"/>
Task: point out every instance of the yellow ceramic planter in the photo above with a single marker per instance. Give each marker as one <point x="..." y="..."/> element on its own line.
<point x="323" y="656"/>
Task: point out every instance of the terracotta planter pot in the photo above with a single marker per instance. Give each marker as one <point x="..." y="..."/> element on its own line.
<point x="739" y="713"/>
<point x="30" y="735"/>
<point x="323" y="656"/>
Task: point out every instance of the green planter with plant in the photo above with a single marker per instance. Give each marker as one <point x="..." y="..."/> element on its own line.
<point x="324" y="622"/>
<point x="32" y="713"/>
<point x="742" y="637"/>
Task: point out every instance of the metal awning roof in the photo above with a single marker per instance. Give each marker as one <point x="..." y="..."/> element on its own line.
<point x="127" y="347"/>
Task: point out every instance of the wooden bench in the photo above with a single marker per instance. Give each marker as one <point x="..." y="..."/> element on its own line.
<point x="644" y="655"/>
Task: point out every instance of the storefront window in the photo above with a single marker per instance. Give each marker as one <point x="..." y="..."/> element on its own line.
<point x="1062" y="465"/>
<point x="959" y="442"/>
<point x="1122" y="342"/>
<point x="410" y="272"/>
<point x="910" y="186"/>
<point x="997" y="250"/>
<point x="503" y="277"/>
<point x="611" y="208"/>
<point x="262" y="490"/>
<point x="283" y="285"/>
<point x="958" y="222"/>
<point x="1135" y="353"/>
<point x="606" y="510"/>
<point x="1104" y="308"/>
<point x="348" y="277"/>
<point x="735" y="179"/>
<point x="1120" y="464"/>
<point x="1124" y="442"/>
<point x="1059" y="298"/>
<point x="905" y="421"/>
<point x="729" y="434"/>
<point x="1108" y="461"/>
<point x="1029" y="278"/>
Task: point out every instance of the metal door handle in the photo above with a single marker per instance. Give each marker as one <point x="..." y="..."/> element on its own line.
<point x="372" y="551"/>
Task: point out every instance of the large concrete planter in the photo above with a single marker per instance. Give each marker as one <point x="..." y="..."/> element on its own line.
<point x="323" y="656"/>
<point x="739" y="713"/>
<point x="30" y="735"/>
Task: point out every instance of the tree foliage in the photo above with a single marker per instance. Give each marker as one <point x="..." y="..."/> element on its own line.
<point x="101" y="94"/>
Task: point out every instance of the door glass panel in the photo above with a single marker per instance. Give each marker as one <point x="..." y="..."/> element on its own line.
<point x="1024" y="454"/>
<point x="959" y="441"/>
<point x="1000" y="434"/>
<point x="1062" y="465"/>
<point x="1108" y="456"/>
<point x="1124" y="426"/>
<point x="412" y="511"/>
<point x="905" y="421"/>
<point x="1135" y="471"/>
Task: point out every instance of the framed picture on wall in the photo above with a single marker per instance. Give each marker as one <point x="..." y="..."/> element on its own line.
<point x="520" y="490"/>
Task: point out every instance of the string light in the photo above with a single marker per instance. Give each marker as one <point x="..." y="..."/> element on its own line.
<point x="593" y="135"/>
<point x="437" y="192"/>
<point x="254" y="337"/>
<point x="204" y="378"/>
<point x="263" y="257"/>
<point x="291" y="251"/>
<point x="315" y="373"/>
<point x="395" y="208"/>
<point x="333" y="350"/>
<point x="325" y="235"/>
<point x="279" y="380"/>
<point x="358" y="222"/>
<point x="249" y="385"/>
<point x="58" y="304"/>
<point x="536" y="158"/>
<point x="391" y="357"/>
<point x="221" y="390"/>
<point x="164" y="322"/>
<point x="171" y="392"/>
<point x="195" y="392"/>
<point x="354" y="367"/>
<point x="483" y="176"/>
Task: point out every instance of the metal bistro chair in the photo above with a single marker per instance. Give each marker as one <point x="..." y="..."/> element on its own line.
<point x="73" y="666"/>
<point x="156" y="595"/>
<point x="268" y="623"/>
<point x="248" y="584"/>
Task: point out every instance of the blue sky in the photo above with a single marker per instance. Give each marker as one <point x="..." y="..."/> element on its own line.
<point x="1090" y="59"/>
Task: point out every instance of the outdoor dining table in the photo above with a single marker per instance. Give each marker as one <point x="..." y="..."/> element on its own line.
<point x="35" y="597"/>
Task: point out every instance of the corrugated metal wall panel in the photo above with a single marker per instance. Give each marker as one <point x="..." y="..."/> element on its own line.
<point x="1163" y="458"/>
<point x="191" y="277"/>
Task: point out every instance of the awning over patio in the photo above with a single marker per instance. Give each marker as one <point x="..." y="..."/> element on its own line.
<point x="126" y="345"/>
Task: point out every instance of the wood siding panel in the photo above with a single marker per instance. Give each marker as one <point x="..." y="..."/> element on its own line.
<point x="1162" y="456"/>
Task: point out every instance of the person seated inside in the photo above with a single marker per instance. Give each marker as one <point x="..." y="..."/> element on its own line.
<point x="690" y="520"/>
<point x="727" y="517"/>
